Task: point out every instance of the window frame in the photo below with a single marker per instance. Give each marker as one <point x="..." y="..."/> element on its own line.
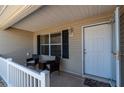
<point x="50" y="44"/>
<point x="44" y="43"/>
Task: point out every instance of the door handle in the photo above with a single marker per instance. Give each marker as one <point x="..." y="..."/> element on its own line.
<point x="84" y="51"/>
<point x="113" y="53"/>
<point x="117" y="55"/>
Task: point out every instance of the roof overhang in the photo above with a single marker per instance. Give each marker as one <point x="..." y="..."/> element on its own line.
<point x="11" y="14"/>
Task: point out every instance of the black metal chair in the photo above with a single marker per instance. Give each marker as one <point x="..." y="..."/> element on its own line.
<point x="54" y="65"/>
<point x="33" y="61"/>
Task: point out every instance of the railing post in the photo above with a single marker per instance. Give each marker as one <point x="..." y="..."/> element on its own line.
<point x="8" y="82"/>
<point x="8" y="74"/>
<point x="45" y="78"/>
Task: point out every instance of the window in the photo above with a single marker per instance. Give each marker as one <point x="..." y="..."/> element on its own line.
<point x="55" y="50"/>
<point x="44" y="44"/>
<point x="54" y="44"/>
<point x="45" y="49"/>
<point x="51" y="44"/>
<point x="55" y="38"/>
<point x="44" y="39"/>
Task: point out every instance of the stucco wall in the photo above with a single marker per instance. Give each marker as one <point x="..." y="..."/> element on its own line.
<point x="74" y="63"/>
<point x="16" y="43"/>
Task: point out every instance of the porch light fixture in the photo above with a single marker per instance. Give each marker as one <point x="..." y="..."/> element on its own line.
<point x="71" y="32"/>
<point x="28" y="54"/>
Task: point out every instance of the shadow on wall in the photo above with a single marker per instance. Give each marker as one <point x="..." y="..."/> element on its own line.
<point x="19" y="56"/>
<point x="16" y="43"/>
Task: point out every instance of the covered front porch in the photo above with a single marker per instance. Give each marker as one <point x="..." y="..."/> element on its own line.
<point x="81" y="36"/>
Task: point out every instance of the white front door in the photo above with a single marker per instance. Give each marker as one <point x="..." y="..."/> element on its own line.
<point x="97" y="50"/>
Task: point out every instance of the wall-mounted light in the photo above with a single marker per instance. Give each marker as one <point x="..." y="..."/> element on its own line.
<point x="28" y="54"/>
<point x="71" y="32"/>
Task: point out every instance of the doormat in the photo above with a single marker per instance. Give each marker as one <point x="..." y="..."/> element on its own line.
<point x="2" y="84"/>
<point x="94" y="83"/>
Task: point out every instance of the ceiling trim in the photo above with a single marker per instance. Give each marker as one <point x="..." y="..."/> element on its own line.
<point x="2" y="10"/>
<point x="19" y="29"/>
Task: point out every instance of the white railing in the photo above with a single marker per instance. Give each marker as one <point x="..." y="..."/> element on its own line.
<point x="16" y="75"/>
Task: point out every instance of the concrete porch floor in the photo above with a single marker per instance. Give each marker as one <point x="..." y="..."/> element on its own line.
<point x="63" y="79"/>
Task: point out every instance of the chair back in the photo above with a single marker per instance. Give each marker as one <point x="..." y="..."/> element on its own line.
<point x="57" y="59"/>
<point x="35" y="56"/>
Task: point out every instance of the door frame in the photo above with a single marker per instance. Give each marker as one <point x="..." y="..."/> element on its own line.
<point x="117" y="28"/>
<point x="83" y="52"/>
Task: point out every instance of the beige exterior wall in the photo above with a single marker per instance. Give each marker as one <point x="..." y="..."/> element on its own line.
<point x="16" y="43"/>
<point x="74" y="63"/>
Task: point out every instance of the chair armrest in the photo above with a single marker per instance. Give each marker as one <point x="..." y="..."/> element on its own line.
<point x="29" y="59"/>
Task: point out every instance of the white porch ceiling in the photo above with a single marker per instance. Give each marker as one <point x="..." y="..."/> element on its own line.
<point x="10" y="14"/>
<point x="51" y="15"/>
